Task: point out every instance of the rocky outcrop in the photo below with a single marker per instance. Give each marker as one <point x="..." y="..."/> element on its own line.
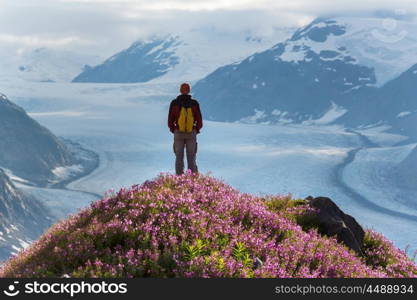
<point x="28" y="149"/>
<point x="333" y="221"/>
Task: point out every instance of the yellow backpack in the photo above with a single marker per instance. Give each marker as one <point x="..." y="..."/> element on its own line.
<point x="186" y="120"/>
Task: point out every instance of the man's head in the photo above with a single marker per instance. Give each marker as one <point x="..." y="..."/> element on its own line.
<point x="185" y="89"/>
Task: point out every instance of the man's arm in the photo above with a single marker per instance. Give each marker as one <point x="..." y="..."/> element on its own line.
<point x="199" y="118"/>
<point x="171" y="117"/>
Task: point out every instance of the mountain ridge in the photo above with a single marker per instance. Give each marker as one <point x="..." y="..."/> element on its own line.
<point x="183" y="56"/>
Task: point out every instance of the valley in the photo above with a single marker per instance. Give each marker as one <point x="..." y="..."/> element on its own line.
<point x="126" y="126"/>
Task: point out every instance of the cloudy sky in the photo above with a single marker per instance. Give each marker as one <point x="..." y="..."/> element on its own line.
<point x="110" y="25"/>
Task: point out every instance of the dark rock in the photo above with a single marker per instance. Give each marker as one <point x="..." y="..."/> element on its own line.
<point x="333" y="221"/>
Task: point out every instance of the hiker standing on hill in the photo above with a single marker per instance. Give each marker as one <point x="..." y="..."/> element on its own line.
<point x="185" y="122"/>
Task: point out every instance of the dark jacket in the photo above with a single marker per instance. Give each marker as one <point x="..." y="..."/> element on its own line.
<point x="174" y="112"/>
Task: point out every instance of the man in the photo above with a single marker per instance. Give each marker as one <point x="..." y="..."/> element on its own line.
<point x="185" y="122"/>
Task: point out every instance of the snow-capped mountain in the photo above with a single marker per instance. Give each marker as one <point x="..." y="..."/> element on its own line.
<point x="141" y="62"/>
<point x="22" y="218"/>
<point x="184" y="57"/>
<point x="298" y="80"/>
<point x="45" y="65"/>
<point x="316" y="76"/>
<point x="28" y="149"/>
<point x="388" y="46"/>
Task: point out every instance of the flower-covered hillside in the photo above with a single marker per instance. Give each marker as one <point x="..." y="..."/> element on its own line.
<point x="196" y="226"/>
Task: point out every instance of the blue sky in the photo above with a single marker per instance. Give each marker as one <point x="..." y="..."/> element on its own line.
<point x="109" y="25"/>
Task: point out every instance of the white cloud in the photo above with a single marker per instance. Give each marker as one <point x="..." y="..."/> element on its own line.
<point x="194" y="5"/>
<point x="38" y="41"/>
<point x="111" y="25"/>
<point x="304" y="6"/>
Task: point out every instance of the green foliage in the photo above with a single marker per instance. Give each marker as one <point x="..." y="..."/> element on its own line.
<point x="221" y="264"/>
<point x="372" y="245"/>
<point x="240" y="253"/>
<point x="195" y="250"/>
<point x="280" y="204"/>
<point x="222" y="241"/>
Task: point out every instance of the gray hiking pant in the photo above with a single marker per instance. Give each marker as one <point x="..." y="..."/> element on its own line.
<point x="189" y="142"/>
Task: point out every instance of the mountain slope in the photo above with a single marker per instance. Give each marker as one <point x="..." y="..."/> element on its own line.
<point x="394" y="104"/>
<point x="22" y="218"/>
<point x="187" y="56"/>
<point x="28" y="149"/>
<point x="197" y="226"/>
